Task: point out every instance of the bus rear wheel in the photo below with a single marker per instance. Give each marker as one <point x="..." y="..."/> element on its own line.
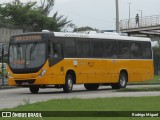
<point x="34" y="89"/>
<point x="91" y="86"/>
<point x="122" y="81"/>
<point x="67" y="87"/>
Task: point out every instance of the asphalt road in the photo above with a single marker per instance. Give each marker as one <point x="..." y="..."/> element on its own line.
<point x="10" y="98"/>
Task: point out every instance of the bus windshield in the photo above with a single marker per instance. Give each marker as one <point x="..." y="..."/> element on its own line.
<point x="22" y="56"/>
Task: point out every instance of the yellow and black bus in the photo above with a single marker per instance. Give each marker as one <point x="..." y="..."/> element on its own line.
<point x="44" y="59"/>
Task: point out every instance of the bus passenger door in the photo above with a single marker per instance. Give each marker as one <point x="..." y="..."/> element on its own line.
<point x="56" y="67"/>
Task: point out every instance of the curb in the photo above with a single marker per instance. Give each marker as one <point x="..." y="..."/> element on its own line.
<point x="7" y="87"/>
<point x="12" y="87"/>
<point x="143" y="84"/>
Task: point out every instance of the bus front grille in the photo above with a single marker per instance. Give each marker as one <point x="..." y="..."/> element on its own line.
<point x="25" y="82"/>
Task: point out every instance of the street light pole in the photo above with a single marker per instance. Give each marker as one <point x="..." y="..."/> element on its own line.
<point x="129" y="10"/>
<point x="141" y="17"/>
<point x="2" y="74"/>
<point x="129" y="15"/>
<point x="141" y="12"/>
<point x="117" y="16"/>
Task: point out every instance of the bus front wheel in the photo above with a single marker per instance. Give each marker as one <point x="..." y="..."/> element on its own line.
<point x="91" y="86"/>
<point x="34" y="89"/>
<point x="122" y="81"/>
<point x="67" y="87"/>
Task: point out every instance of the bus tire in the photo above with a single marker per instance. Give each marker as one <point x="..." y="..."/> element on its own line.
<point x="68" y="86"/>
<point x="122" y="81"/>
<point x="91" y="86"/>
<point x="34" y="89"/>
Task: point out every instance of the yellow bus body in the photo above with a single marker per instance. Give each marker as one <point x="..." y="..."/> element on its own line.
<point x="89" y="71"/>
<point x="38" y="60"/>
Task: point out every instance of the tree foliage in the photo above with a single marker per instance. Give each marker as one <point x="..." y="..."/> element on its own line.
<point x="87" y="28"/>
<point x="31" y="17"/>
<point x="46" y="6"/>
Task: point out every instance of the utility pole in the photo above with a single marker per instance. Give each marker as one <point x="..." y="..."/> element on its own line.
<point x="129" y="17"/>
<point x="117" y="16"/>
<point x="141" y="12"/>
<point x="2" y="74"/>
<point x="141" y="17"/>
<point x="129" y="10"/>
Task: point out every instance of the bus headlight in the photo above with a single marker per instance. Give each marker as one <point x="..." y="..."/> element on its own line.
<point x="9" y="75"/>
<point x="42" y="73"/>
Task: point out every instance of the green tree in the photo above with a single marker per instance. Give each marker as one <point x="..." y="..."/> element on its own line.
<point x="46" y="6"/>
<point x="87" y="28"/>
<point x="56" y="22"/>
<point x="31" y="17"/>
<point x="15" y="13"/>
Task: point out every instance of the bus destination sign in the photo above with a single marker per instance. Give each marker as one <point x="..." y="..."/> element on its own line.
<point x="28" y="38"/>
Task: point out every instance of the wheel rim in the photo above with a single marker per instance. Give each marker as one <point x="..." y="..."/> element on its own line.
<point x="70" y="84"/>
<point x="122" y="81"/>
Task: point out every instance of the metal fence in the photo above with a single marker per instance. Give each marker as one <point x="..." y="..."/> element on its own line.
<point x="156" y="70"/>
<point x="147" y="21"/>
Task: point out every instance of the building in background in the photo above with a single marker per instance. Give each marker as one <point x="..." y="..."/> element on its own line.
<point x="5" y="33"/>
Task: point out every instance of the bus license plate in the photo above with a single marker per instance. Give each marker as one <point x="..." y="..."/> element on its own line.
<point x="25" y="83"/>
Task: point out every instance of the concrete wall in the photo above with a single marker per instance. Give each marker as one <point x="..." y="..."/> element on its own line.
<point x="6" y="32"/>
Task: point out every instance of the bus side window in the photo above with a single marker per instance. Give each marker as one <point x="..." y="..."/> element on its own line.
<point x="135" y="49"/>
<point x="97" y="48"/>
<point x="50" y="50"/>
<point x="70" y="48"/>
<point x="83" y="48"/>
<point x="123" y="50"/>
<point x="146" y="50"/>
<point x="55" y="51"/>
<point x="110" y="49"/>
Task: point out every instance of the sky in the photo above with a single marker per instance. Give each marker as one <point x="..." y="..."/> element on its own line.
<point x="101" y="14"/>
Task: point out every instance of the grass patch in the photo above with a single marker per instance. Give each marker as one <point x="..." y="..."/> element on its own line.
<point x="139" y="89"/>
<point x="99" y="104"/>
<point x="156" y="80"/>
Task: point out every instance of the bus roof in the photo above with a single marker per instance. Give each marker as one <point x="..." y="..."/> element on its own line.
<point x="84" y="35"/>
<point x="100" y="36"/>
